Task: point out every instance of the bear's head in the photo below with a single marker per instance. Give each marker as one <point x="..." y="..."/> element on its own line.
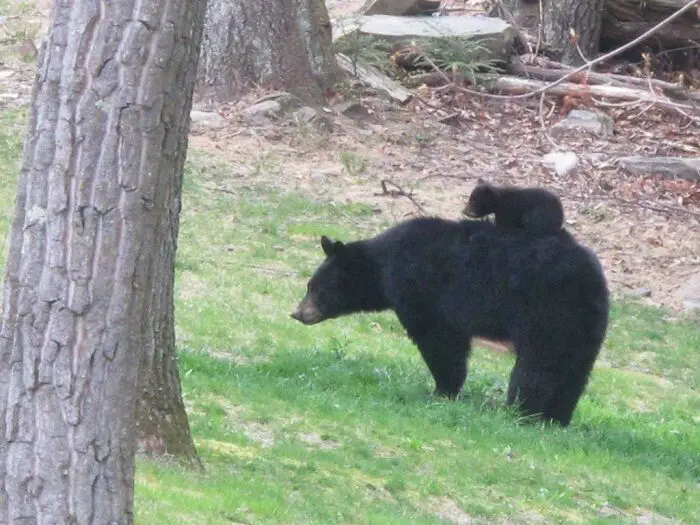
<point x="482" y="201"/>
<point x="339" y="285"/>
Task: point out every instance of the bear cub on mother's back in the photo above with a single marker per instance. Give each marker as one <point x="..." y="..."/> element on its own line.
<point x="534" y="209"/>
<point x="451" y="281"/>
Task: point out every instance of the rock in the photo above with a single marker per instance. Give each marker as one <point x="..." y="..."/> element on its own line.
<point x="495" y="36"/>
<point x="308" y="115"/>
<point x="27" y="50"/>
<point x="371" y="76"/>
<point x="287" y="101"/>
<point x="595" y="122"/>
<point x="651" y="518"/>
<point x="638" y="292"/>
<point x="563" y="162"/>
<point x="691" y="293"/>
<point x="351" y="109"/>
<point x="207" y="119"/>
<point x="667" y="167"/>
<point x="403" y="7"/>
<point x="262" y="111"/>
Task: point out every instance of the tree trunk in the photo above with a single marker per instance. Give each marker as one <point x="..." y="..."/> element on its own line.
<point x="285" y="44"/>
<point x="98" y="189"/>
<point x="162" y="428"/>
<point x="624" y="20"/>
<point x="506" y="9"/>
<point x="584" y="17"/>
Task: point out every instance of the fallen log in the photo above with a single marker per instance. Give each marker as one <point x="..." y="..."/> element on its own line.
<point x="674" y="91"/>
<point x="517" y="86"/>
<point x="375" y="78"/>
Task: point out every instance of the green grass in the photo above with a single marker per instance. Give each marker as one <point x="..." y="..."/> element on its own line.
<point x="334" y="423"/>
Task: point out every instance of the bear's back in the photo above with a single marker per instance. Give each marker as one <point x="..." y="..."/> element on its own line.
<point x="474" y="270"/>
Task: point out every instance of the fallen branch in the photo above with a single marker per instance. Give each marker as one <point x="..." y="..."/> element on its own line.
<point x="430" y="79"/>
<point x="658" y="207"/>
<point x="375" y="78"/>
<point x="399" y="192"/>
<point x="517" y="86"/>
<point x="667" y="88"/>
<point x="222" y="190"/>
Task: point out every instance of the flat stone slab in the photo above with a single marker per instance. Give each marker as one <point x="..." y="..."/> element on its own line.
<point x="494" y="34"/>
<point x="667" y="167"/>
<point x="434" y="26"/>
<point x="402" y="7"/>
<point x="207" y="119"/>
<point x="594" y="122"/>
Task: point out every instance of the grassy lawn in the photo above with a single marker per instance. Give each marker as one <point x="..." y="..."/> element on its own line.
<point x="334" y="423"/>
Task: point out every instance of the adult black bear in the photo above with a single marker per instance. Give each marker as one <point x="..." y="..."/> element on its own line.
<point x="535" y="209"/>
<point x="451" y="281"/>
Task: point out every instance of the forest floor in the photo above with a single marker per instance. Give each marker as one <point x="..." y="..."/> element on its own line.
<point x="644" y="238"/>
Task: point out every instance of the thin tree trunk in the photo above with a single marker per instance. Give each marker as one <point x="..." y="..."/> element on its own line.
<point x="285" y="44"/>
<point x="100" y="174"/>
<point x="584" y="17"/>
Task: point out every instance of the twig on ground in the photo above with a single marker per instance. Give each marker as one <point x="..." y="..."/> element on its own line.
<point x="222" y="190"/>
<point x="445" y="176"/>
<point x="544" y="124"/>
<point x="400" y="192"/>
<point x="662" y="208"/>
<point x="273" y="271"/>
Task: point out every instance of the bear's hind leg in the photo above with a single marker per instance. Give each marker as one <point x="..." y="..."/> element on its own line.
<point x="567" y="395"/>
<point x="532" y="387"/>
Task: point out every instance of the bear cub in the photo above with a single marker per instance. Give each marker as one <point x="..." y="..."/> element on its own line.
<point x="451" y="281"/>
<point x="535" y="209"/>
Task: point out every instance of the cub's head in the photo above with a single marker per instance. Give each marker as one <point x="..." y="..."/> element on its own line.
<point x="482" y="200"/>
<point x="337" y="285"/>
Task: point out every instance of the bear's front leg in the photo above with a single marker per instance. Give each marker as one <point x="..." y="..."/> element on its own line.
<point x="446" y="355"/>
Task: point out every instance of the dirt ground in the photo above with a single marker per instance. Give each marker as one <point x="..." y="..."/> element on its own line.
<point x="430" y="168"/>
<point x="645" y="231"/>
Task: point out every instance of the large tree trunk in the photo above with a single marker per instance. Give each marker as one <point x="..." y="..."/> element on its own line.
<point x="98" y="188"/>
<point x="584" y="17"/>
<point x="285" y="44"/>
<point x="624" y="20"/>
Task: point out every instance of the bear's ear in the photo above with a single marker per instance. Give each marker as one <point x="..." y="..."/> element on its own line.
<point x="330" y="247"/>
<point x="481" y="181"/>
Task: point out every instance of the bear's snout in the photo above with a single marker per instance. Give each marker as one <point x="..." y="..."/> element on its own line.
<point x="307" y="313"/>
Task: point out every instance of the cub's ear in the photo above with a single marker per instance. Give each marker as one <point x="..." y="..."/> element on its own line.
<point x="330" y="247"/>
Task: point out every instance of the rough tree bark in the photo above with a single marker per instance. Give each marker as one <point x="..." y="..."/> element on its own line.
<point x="584" y="17"/>
<point x="624" y="20"/>
<point x="97" y="200"/>
<point x="284" y="44"/>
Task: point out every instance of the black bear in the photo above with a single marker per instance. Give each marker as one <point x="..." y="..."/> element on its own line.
<point x="535" y="209"/>
<point x="449" y="281"/>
